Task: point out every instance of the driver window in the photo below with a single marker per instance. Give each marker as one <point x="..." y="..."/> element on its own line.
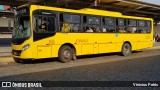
<point x="41" y="24"/>
<point x="45" y="24"/>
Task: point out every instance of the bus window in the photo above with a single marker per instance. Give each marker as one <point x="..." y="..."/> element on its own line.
<point x="141" y="27"/>
<point x="132" y="23"/>
<point x="120" y="25"/>
<point x="141" y="23"/>
<point x="148" y="26"/>
<point x="108" y="24"/>
<point x="51" y="24"/>
<point x="69" y="23"/>
<point x="41" y="24"/>
<point x="44" y="27"/>
<point x="45" y="24"/>
<point x="132" y="26"/>
<point x="91" y="24"/>
<point x="94" y="20"/>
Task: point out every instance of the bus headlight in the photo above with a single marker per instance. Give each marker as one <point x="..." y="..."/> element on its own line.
<point x="25" y="47"/>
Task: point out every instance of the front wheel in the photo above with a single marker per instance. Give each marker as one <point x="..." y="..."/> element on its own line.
<point x="126" y="49"/>
<point x="65" y="54"/>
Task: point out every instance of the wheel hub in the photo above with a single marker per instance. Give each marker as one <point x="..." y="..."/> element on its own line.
<point x="66" y="54"/>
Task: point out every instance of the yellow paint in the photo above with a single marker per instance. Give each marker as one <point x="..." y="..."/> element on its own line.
<point x="44" y="50"/>
<point x="84" y="43"/>
<point x="6" y="58"/>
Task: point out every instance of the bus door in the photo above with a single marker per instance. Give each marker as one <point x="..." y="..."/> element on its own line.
<point x="44" y="31"/>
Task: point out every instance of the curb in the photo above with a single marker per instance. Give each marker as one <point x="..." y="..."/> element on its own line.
<point x="153" y="48"/>
<point x="6" y="60"/>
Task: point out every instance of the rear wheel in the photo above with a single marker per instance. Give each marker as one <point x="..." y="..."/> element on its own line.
<point x="126" y="49"/>
<point x="65" y="54"/>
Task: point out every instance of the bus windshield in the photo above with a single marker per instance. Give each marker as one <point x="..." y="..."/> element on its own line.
<point x="22" y="27"/>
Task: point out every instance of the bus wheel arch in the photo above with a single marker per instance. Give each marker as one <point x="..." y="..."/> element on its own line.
<point x="67" y="52"/>
<point x="126" y="48"/>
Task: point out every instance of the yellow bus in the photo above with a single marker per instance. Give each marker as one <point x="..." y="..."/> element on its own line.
<point x="46" y="32"/>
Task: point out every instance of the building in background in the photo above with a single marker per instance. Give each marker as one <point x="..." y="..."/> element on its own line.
<point x="5" y="15"/>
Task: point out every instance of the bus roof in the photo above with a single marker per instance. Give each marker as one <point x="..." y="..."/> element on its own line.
<point x="89" y="12"/>
<point x="100" y="12"/>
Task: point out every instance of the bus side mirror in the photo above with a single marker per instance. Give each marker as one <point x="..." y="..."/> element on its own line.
<point x="10" y="24"/>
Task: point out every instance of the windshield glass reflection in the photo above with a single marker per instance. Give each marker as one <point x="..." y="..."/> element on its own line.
<point x="22" y="27"/>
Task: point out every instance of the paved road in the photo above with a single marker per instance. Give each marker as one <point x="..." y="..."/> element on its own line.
<point x="140" y="69"/>
<point x="12" y="68"/>
<point x="98" y="68"/>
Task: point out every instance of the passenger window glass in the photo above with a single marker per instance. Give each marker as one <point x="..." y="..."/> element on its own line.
<point x="131" y="22"/>
<point x="141" y="23"/>
<point x="132" y="26"/>
<point x="120" y="26"/>
<point x="93" y="20"/>
<point x="91" y="24"/>
<point x="108" y="25"/>
<point x="69" y="23"/>
<point x="75" y="18"/>
<point x="67" y="18"/>
<point x="71" y="18"/>
<point x="148" y="24"/>
<point x="148" y="27"/>
<point x="141" y="27"/>
<point x="120" y="22"/>
<point x="109" y="21"/>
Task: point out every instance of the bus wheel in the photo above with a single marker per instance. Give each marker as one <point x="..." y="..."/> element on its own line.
<point x="65" y="54"/>
<point x="74" y="54"/>
<point x="126" y="49"/>
<point x="17" y="60"/>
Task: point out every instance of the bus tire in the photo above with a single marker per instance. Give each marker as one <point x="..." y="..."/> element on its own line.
<point x="65" y="54"/>
<point x="126" y="49"/>
<point x="17" y="60"/>
<point x="74" y="54"/>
